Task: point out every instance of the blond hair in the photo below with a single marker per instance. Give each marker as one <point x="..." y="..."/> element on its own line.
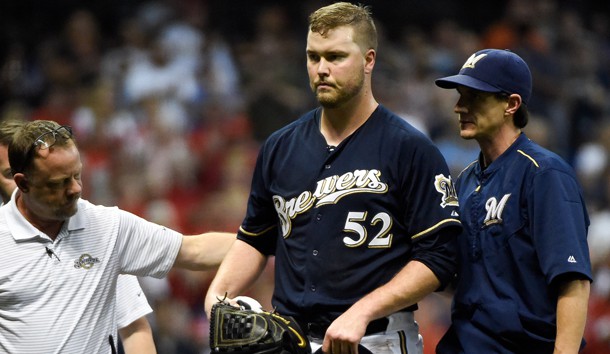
<point x="339" y="14"/>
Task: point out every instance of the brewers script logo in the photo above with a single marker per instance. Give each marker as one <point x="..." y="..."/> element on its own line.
<point x="85" y="261"/>
<point x="445" y="186"/>
<point x="328" y="191"/>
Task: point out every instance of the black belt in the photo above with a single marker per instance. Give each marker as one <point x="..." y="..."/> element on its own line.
<point x="318" y="330"/>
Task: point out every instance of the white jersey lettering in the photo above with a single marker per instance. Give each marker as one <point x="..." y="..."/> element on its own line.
<point x="328" y="191"/>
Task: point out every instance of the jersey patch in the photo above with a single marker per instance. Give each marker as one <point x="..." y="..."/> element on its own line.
<point x="444" y="185"/>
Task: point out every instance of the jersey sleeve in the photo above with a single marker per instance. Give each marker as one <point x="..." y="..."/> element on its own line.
<point x="259" y="227"/>
<point x="429" y="194"/>
<point x="559" y="224"/>
<point x="432" y="213"/>
<point x="131" y="301"/>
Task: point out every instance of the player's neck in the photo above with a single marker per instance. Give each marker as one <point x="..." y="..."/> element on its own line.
<point x="336" y="124"/>
<point x="493" y="148"/>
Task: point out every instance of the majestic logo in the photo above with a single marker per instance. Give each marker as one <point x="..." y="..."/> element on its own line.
<point x="328" y="191"/>
<point x="445" y="186"/>
<point x="85" y="261"/>
<point x="472" y="61"/>
<point x="494" y="210"/>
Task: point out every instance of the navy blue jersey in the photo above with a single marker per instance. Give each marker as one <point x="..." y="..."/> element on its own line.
<point x="524" y="224"/>
<point x="343" y="220"/>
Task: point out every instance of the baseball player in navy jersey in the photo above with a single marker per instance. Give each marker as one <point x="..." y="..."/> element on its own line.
<point x="356" y="205"/>
<point x="524" y="274"/>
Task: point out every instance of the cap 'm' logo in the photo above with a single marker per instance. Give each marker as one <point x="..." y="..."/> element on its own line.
<point x="472" y="61"/>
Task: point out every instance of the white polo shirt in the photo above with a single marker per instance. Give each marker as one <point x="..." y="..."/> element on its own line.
<point x="131" y="302"/>
<point x="60" y="297"/>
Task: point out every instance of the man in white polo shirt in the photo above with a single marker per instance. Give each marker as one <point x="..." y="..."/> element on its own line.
<point x="132" y="306"/>
<point x="63" y="255"/>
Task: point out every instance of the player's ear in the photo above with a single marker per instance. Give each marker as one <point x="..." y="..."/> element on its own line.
<point x="514" y="102"/>
<point x="22" y="182"/>
<point x="369" y="60"/>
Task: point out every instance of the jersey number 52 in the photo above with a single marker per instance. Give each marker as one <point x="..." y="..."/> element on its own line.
<point x="356" y="224"/>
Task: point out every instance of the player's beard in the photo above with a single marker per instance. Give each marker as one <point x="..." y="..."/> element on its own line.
<point x="337" y="96"/>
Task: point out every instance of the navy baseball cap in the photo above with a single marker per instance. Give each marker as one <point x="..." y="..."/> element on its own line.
<point x="493" y="70"/>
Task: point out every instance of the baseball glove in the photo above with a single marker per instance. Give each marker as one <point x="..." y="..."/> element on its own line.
<point x="242" y="330"/>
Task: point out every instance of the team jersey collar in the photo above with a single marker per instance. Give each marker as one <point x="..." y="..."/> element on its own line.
<point x="318" y="121"/>
<point x="506" y="155"/>
<point x="22" y="230"/>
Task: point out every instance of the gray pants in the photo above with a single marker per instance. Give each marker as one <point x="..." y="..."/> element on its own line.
<point x="401" y="337"/>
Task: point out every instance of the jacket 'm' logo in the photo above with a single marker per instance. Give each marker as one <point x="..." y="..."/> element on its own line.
<point x="495" y="209"/>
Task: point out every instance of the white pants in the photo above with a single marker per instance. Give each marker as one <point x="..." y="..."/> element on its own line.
<point x="401" y="337"/>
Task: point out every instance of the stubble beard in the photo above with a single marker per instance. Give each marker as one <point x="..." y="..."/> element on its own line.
<point x="67" y="211"/>
<point x="64" y="214"/>
<point x="335" y="97"/>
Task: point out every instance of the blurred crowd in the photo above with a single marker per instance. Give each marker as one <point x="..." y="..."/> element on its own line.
<point x="170" y="100"/>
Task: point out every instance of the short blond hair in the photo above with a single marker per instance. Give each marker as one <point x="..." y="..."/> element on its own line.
<point x="359" y="17"/>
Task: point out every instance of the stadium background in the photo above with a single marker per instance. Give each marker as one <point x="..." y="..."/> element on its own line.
<point x="170" y="101"/>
